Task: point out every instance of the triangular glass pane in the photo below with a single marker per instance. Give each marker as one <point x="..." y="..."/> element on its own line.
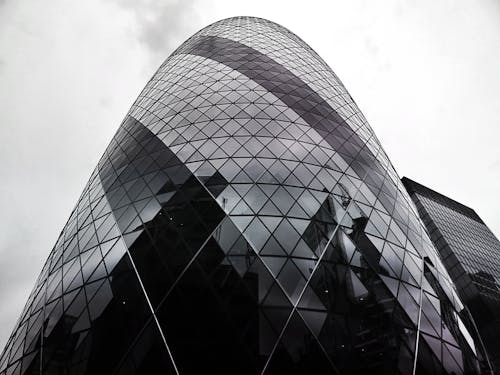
<point x="276" y="297"/>
<point x="275" y="264"/>
<point x="270" y="222"/>
<point x="241" y="221"/>
<point x="272" y="248"/>
<point x="270" y="209"/>
<point x="257" y="234"/>
<point x="302" y="250"/>
<point x="314" y="320"/>
<point x="292" y="281"/>
<point x="241" y="209"/>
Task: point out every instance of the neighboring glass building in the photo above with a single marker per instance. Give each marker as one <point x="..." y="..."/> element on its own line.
<point x="471" y="254"/>
<point x="243" y="220"/>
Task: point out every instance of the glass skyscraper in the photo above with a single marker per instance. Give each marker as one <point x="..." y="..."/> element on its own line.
<point x="471" y="254"/>
<point x="243" y="220"/>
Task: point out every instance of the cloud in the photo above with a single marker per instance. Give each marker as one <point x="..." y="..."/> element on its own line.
<point x="494" y="165"/>
<point x="163" y="25"/>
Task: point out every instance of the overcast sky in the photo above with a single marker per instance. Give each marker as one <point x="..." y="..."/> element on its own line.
<point x="426" y="74"/>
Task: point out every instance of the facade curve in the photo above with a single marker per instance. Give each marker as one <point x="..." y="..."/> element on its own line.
<point x="244" y="219"/>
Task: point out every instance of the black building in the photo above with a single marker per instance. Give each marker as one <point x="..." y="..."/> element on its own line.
<point x="243" y="220"/>
<point x="471" y="254"/>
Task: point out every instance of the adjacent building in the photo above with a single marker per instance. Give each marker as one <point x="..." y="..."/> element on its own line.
<point x="471" y="254"/>
<point x="244" y="219"/>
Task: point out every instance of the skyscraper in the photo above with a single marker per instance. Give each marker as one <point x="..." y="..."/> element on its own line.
<point x="243" y="220"/>
<point x="471" y="254"/>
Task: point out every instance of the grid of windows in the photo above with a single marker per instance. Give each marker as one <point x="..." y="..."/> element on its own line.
<point x="477" y="248"/>
<point x="470" y="252"/>
<point x="244" y="219"/>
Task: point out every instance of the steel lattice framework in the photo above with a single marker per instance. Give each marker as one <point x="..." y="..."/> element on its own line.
<point x="243" y="220"/>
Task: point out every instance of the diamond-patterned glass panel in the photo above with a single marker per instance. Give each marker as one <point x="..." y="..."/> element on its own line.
<point x="243" y="220"/>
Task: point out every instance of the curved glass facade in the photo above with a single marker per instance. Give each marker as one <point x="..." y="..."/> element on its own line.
<point x="243" y="220"/>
